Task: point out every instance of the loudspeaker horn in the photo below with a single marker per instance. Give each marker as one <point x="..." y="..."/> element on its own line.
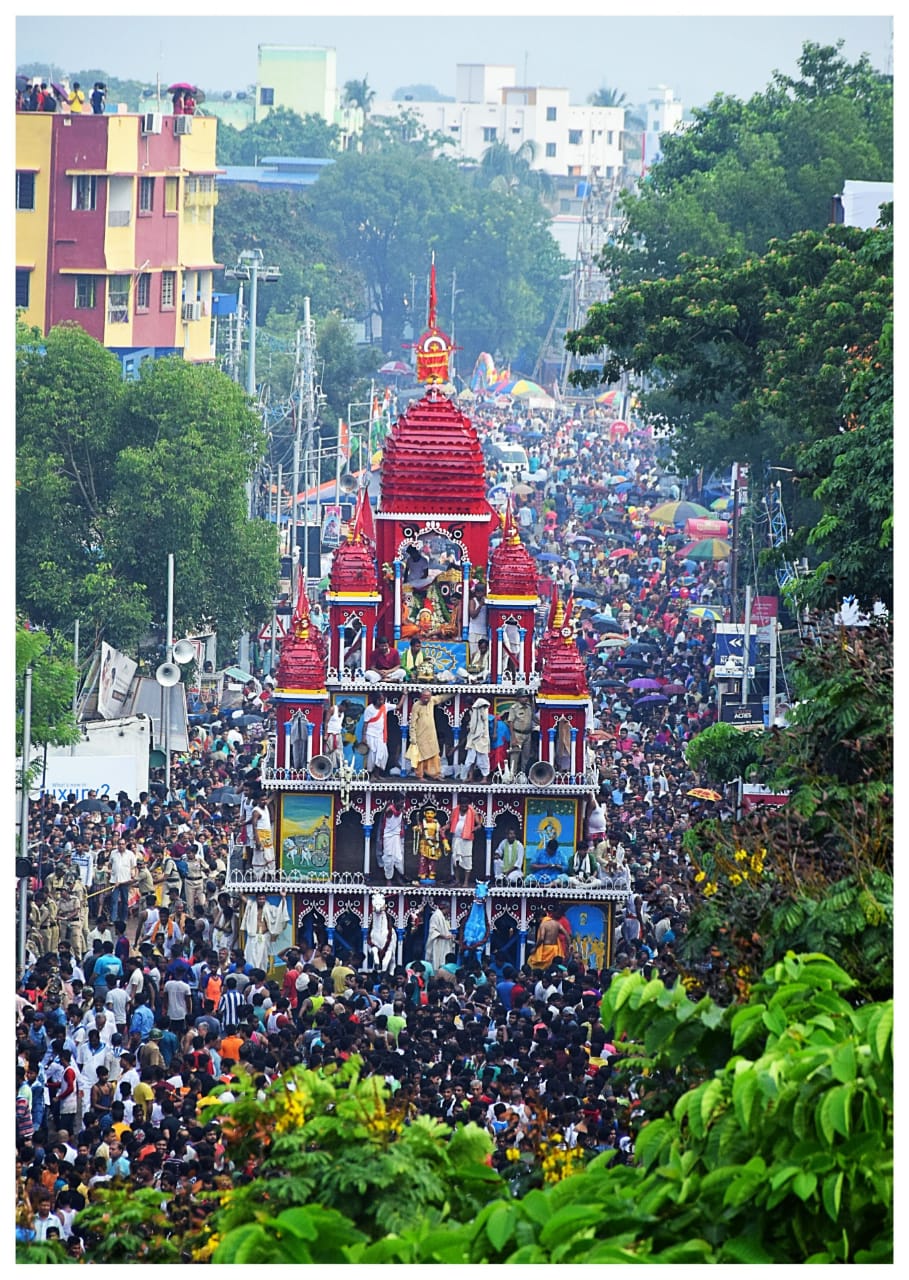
<point x="184" y="651"/>
<point x="541" y="773"/>
<point x="168" y="674"/>
<point x="319" y="768"/>
<point x="348" y="483"/>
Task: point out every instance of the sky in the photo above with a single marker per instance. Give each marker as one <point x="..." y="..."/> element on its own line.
<point x="697" y="52"/>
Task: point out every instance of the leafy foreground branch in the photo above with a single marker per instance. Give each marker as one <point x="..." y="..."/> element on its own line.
<point x="763" y="1135"/>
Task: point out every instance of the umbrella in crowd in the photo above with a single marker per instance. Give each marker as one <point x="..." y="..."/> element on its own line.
<point x="606" y="397"/>
<point x="636" y="664"/>
<point x="612" y="642"/>
<point x="703" y="793"/>
<point x="706" y="612"/>
<point x="59" y="90"/>
<point x="225" y="795"/>
<point x="706" y="549"/>
<point x="672" y="689"/>
<point x="643" y="682"/>
<point x="396" y="368"/>
<point x="621" y="552"/>
<point x="93" y="806"/>
<point x="677" y="512"/>
<point x="721" y="504"/>
<point x="522" y="490"/>
<point x="579" y="538"/>
<point x="237" y="673"/>
<point x="182" y="86"/>
<point x="548" y="556"/>
<point x="650" y="698"/>
<point x="608" y="682"/>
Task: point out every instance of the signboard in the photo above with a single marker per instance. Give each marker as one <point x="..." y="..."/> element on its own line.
<point x="702" y="527"/>
<point x="106" y="775"/>
<point x="280" y="628"/>
<point x="729" y="651"/>
<point x="754" y="794"/>
<point x="764" y="609"/>
<point x="744" y="715"/>
<point x="116" y="676"/>
<point x="331" y="525"/>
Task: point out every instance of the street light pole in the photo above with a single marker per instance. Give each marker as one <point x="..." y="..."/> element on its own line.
<point x="168" y="657"/>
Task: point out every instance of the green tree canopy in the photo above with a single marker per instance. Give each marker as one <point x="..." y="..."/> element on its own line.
<point x="123" y="474"/>
<point x="53" y="683"/>
<point x="745" y="173"/>
<point x="784" y="358"/>
<point x="281" y="133"/>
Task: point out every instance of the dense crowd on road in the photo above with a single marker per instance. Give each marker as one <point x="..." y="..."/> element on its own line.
<point x="143" y="990"/>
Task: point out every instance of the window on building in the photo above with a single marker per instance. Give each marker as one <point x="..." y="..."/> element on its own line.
<point x="171" y="195"/>
<point x="610" y="137"/>
<point x="85" y="293"/>
<point x="575" y="137"/>
<point x="146" y="195"/>
<point x="85" y="192"/>
<point x="143" y="292"/>
<point x="550" y="150"/>
<point x="550" y="113"/>
<point x="490" y="133"/>
<point x="168" y="290"/>
<point x="23" y="287"/>
<point x="118" y="300"/>
<point x="25" y="190"/>
<point x="266" y="97"/>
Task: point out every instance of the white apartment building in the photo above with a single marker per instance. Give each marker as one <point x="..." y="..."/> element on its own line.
<point x="664" y="115"/>
<point x="569" y="141"/>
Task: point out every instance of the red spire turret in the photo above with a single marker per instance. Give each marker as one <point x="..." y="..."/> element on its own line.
<point x="303" y="652"/>
<point x="512" y="571"/>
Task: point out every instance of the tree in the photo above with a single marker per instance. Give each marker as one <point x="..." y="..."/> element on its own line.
<point x="818" y="871"/>
<point x="68" y="390"/>
<point x="502" y="169"/>
<point x="771" y="360"/>
<point x="420" y="93"/>
<point x="744" y="173"/>
<point x="190" y="442"/>
<point x="53" y="682"/>
<point x="282" y="132"/>
<point x="761" y="1134"/>
<point x="722" y="753"/>
<point x="357" y="93"/>
<point x="128" y="473"/>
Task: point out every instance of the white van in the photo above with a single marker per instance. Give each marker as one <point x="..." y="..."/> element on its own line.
<point x="512" y="460"/>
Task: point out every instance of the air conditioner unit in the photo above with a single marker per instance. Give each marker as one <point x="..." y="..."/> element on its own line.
<point x="192" y="310"/>
<point x="183" y="124"/>
<point x="151" y="122"/>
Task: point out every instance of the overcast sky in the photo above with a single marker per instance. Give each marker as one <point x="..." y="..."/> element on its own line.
<point x="696" y="56"/>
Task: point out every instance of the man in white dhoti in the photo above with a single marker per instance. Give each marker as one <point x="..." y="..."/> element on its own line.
<point x="263" y="924"/>
<point x="391" y="847"/>
<point x="375" y="732"/>
<point x="439" y="940"/>
<point x="462" y="825"/>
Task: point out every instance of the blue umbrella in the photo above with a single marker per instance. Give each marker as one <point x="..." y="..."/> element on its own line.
<point x="549" y="555"/>
<point x="623" y="487"/>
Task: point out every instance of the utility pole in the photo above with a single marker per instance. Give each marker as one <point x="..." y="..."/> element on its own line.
<point x="76" y="665"/>
<point x="168" y="657"/>
<point x="309" y="408"/>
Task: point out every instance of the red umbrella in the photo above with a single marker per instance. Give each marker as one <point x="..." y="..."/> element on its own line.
<point x="395" y="366"/>
<point x="673" y="688"/>
<point x="182" y="86"/>
<point x="620" y="552"/>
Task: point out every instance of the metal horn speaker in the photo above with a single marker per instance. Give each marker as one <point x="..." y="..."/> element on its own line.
<point x="184" y="651"/>
<point x="348" y="483"/>
<point x="319" y="768"/>
<point x="541" y="773"/>
<point x="168" y="674"/>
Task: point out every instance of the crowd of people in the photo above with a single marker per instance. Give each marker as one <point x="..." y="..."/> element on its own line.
<point x="40" y="95"/>
<point x="147" y="986"/>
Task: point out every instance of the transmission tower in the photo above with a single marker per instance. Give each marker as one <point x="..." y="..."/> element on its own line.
<point x="589" y="285"/>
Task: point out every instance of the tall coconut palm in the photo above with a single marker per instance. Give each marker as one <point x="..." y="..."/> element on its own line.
<point x="357" y="93"/>
<point x="502" y="169"/>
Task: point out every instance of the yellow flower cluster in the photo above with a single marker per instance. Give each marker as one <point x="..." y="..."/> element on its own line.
<point x="710" y="889"/>
<point x="205" y="1251"/>
<point x="293" y="1114"/>
<point x="558" y="1160"/>
<point x="512" y="1154"/>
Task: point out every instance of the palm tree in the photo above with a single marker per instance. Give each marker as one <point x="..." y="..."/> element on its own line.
<point x="635" y="118"/>
<point x="607" y="98"/>
<point x="502" y="169"/>
<point x="357" y="93"/>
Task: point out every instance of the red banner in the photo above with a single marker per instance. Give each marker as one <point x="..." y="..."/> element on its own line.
<point x="706" y="528"/>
